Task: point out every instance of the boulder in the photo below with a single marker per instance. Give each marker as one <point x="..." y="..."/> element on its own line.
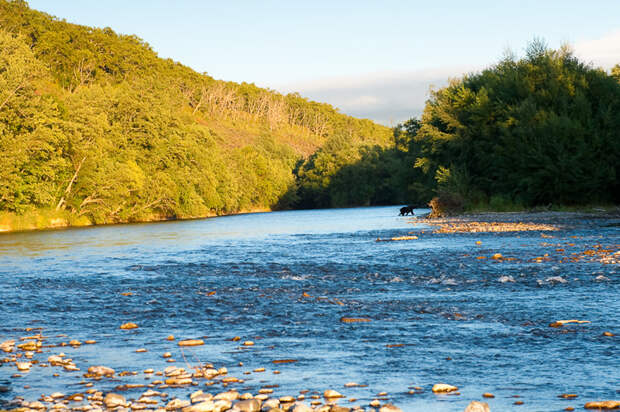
<point x="248" y="405"/>
<point x="113" y="400"/>
<point x="476" y="406"/>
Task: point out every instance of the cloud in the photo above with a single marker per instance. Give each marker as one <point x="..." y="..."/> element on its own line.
<point x="602" y="52"/>
<point x="385" y="97"/>
<point x="392" y="97"/>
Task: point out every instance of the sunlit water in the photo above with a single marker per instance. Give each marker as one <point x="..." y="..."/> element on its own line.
<point x="457" y="322"/>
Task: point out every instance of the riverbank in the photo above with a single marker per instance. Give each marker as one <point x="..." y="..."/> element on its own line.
<point x="47" y="219"/>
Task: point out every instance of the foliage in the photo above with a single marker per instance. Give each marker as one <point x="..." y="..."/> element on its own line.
<point x="95" y="124"/>
<point x="540" y="130"/>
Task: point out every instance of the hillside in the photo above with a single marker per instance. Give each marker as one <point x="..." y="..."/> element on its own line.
<point x="96" y="128"/>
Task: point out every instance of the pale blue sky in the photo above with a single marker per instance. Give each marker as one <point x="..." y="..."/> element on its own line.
<point x="365" y="57"/>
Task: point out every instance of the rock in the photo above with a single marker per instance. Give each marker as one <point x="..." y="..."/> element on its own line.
<point x="191" y="342"/>
<point x="177" y="404"/>
<point x="245" y="396"/>
<point x="338" y="408"/>
<point x="603" y="405"/>
<point x="248" y="343"/>
<point x="476" y="406"/>
<point x="7" y="346"/>
<point x="300" y="407"/>
<point x="559" y="323"/>
<point x="287" y="399"/>
<point x="497" y="256"/>
<point x="101" y="371"/>
<point x="354" y="320"/>
<point x="248" y="405"/>
<point x="390" y="408"/>
<point x="23" y="366"/>
<point x="375" y="403"/>
<point x="221" y="405"/>
<point x="170" y="337"/>
<point x="129" y="325"/>
<point x="608" y="334"/>
<point x="330" y="394"/>
<point x="112" y="400"/>
<point x="271" y="403"/>
<point x="228" y="395"/>
<point x="444" y="388"/>
<point x="205" y="406"/>
<point x="488" y="395"/>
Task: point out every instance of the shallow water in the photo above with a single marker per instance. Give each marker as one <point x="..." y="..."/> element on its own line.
<point x="431" y="295"/>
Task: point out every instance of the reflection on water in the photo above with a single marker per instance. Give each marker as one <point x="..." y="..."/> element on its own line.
<point x="285" y="279"/>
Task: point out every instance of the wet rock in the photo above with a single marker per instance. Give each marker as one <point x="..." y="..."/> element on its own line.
<point x="100" y="371"/>
<point x="506" y="279"/>
<point x="248" y="405"/>
<point x="331" y="394"/>
<point x="191" y="342"/>
<point x="608" y="334"/>
<point x="603" y="405"/>
<point x="300" y="407"/>
<point x="444" y="388"/>
<point x="23" y="366"/>
<point x="177" y="404"/>
<point x="205" y="406"/>
<point x="390" y="408"/>
<point x="228" y="395"/>
<point x="287" y="399"/>
<point x="113" y="400"/>
<point x="271" y="403"/>
<point x="375" y="403"/>
<point x="354" y="320"/>
<point x="7" y="346"/>
<point x="338" y="408"/>
<point x="559" y="323"/>
<point x="128" y="325"/>
<point x="488" y="395"/>
<point x="222" y="405"/>
<point x="556" y="279"/>
<point x="476" y="406"/>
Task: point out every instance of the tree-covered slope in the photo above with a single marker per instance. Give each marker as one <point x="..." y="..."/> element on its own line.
<point x="95" y="125"/>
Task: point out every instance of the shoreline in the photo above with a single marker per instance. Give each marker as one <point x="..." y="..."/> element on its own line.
<point x="44" y="220"/>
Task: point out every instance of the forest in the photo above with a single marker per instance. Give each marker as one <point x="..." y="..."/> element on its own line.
<point x="96" y="128"/>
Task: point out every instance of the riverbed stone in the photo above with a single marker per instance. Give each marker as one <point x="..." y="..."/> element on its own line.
<point x="476" y="406"/>
<point x="191" y="342"/>
<point x="444" y="388"/>
<point x="228" y="395"/>
<point x="221" y="405"/>
<point x="603" y="405"/>
<point x="205" y="406"/>
<point x="300" y="407"/>
<point x="129" y="325"/>
<point x="177" y="404"/>
<point x="248" y="405"/>
<point x="390" y="408"/>
<point x="331" y="394"/>
<point x="113" y="400"/>
<point x="100" y="371"/>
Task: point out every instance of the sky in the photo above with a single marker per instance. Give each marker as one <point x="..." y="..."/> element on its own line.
<point x="371" y="59"/>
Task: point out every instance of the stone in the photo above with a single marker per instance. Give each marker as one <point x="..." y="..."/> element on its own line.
<point x="101" y="371"/>
<point x="488" y="395"/>
<point x="300" y="407"/>
<point x="205" y="406"/>
<point x="330" y="393"/>
<point x="271" y="403"/>
<point x="444" y="388"/>
<point x="375" y="403"/>
<point x="177" y="404"/>
<point x="191" y="342"/>
<point x="338" y="408"/>
<point x="23" y="366"/>
<point x="113" y="400"/>
<point x="228" y="395"/>
<point x="222" y="405"/>
<point x="128" y="325"/>
<point x="287" y="399"/>
<point x="248" y="405"/>
<point x="476" y="406"/>
<point x="603" y="405"/>
<point x="354" y="320"/>
<point x="390" y="408"/>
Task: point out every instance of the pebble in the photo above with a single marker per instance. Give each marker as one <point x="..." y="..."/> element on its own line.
<point x="128" y="325"/>
<point x="300" y="407"/>
<point x="488" y="395"/>
<point x="100" y="371"/>
<point x="113" y="400"/>
<point x="390" y="408"/>
<point x="248" y="405"/>
<point x="191" y="342"/>
<point x="444" y="388"/>
<point x="204" y="406"/>
<point x="330" y="394"/>
<point x="177" y="404"/>
<point x="603" y="405"/>
<point x="476" y="406"/>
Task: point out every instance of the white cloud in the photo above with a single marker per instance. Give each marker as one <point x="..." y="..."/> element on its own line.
<point x="603" y="52"/>
<point x="386" y="97"/>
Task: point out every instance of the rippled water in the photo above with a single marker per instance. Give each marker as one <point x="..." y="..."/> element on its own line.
<point x="458" y="319"/>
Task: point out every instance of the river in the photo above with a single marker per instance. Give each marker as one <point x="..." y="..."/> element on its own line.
<point x="284" y="280"/>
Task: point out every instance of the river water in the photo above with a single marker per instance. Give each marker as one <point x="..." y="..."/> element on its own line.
<point x="438" y="314"/>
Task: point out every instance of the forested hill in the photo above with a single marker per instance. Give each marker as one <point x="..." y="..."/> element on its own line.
<point x="96" y="128"/>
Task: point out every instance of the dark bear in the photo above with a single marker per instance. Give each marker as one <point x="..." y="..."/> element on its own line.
<point x="404" y="211"/>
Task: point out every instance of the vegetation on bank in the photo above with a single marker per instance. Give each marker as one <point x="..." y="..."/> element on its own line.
<point x="96" y="128"/>
<point x="95" y="124"/>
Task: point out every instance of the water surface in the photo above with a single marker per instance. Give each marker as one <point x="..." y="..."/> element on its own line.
<point x="452" y="318"/>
